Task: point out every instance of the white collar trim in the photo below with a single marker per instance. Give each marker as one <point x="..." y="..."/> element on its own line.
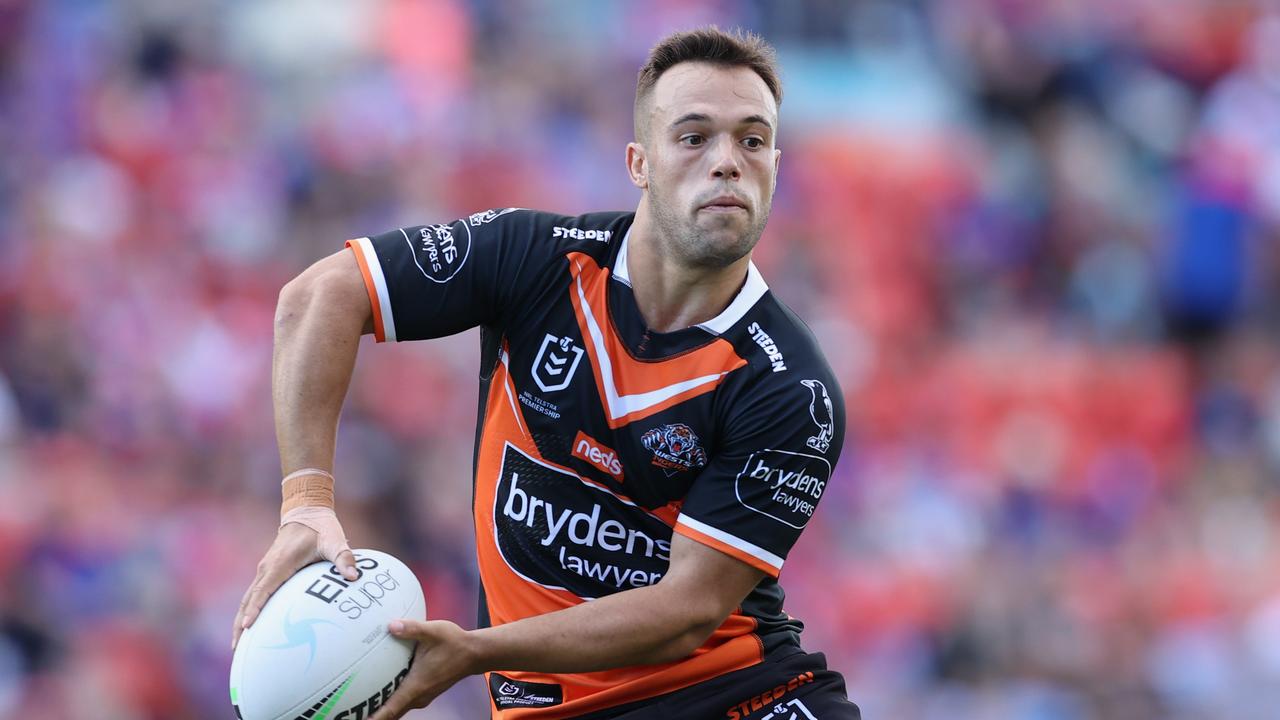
<point x="752" y="290"/>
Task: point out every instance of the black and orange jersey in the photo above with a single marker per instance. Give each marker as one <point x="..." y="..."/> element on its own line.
<point x="598" y="438"/>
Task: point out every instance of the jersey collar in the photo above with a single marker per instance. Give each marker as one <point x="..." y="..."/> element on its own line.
<point x="752" y="290"/>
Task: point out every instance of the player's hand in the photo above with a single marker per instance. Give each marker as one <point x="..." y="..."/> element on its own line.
<point x="442" y="658"/>
<point x="295" y="547"/>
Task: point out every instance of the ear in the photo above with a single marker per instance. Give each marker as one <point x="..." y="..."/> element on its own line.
<point x="777" y="161"/>
<point x="638" y="165"/>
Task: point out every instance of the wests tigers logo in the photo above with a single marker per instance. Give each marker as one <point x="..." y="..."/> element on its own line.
<point x="675" y="448"/>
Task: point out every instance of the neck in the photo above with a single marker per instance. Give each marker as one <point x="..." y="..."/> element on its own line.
<point x="672" y="295"/>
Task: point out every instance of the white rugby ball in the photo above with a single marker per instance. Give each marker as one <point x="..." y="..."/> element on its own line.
<point x="320" y="648"/>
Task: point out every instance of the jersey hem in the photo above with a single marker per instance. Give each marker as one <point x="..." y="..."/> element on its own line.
<point x="751" y="554"/>
<point x="384" y="326"/>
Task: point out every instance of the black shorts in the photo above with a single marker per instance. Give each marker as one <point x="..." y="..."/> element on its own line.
<point x="797" y="686"/>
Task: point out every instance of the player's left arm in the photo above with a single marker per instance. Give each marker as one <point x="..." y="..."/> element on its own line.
<point x="642" y="626"/>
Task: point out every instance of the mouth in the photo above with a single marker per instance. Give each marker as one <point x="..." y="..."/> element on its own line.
<point x="724" y="204"/>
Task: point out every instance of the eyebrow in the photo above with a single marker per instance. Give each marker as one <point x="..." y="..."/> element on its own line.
<point x="702" y="117"/>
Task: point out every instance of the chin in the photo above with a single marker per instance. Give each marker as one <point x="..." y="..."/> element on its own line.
<point x="719" y="248"/>
<point x="723" y="230"/>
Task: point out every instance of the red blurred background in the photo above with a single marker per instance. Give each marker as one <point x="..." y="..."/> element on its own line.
<point x="1037" y="241"/>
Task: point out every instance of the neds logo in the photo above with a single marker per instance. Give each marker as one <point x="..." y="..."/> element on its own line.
<point x="598" y="454"/>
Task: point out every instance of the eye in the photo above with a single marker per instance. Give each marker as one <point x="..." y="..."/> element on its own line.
<point x="753" y="142"/>
<point x="692" y="140"/>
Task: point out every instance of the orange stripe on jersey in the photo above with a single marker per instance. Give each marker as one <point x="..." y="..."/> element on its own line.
<point x="727" y="549"/>
<point x="633" y="389"/>
<point x="379" y="333"/>
<point x="668" y="513"/>
<point x="510" y="597"/>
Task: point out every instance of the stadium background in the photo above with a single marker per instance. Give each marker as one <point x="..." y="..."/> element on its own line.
<point x="1036" y="239"/>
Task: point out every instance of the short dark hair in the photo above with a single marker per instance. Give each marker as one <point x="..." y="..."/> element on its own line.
<point x="709" y="45"/>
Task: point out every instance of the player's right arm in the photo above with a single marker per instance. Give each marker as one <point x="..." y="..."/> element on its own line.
<point x="320" y="317"/>
<point x="412" y="283"/>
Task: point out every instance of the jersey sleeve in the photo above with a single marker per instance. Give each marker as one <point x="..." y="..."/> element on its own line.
<point x="761" y="488"/>
<point x="429" y="281"/>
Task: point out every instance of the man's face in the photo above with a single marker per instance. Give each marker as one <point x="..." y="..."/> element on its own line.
<point x="709" y="161"/>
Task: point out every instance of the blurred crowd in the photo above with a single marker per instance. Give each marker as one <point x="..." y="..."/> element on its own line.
<point x="1037" y="241"/>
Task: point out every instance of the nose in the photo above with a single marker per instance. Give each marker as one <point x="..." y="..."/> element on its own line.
<point x="724" y="160"/>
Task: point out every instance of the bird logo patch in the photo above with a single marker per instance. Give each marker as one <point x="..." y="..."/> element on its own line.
<point x="823" y="415"/>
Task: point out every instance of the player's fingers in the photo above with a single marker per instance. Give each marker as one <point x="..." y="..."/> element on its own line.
<point x="408" y="629"/>
<point x="395" y="706"/>
<point x="409" y="696"/>
<point x="346" y="562"/>
<point x="244" y="602"/>
<point x="273" y="577"/>
<point x="237" y="625"/>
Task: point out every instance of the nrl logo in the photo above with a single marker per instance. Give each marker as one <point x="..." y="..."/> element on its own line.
<point x="556" y="362"/>
<point x="509" y="690"/>
<point x="675" y="448"/>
